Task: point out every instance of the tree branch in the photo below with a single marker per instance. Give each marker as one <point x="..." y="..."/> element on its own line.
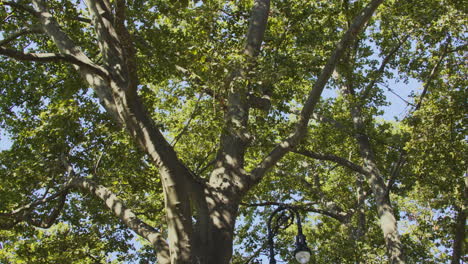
<point x="108" y="39"/>
<point x="339" y="160"/>
<point x="262" y="103"/>
<point x="255" y="254"/>
<point x="117" y="206"/>
<point x="395" y="172"/>
<point x="126" y="215"/>
<point x="388" y="222"/>
<point x="433" y="73"/>
<point x="338" y="215"/>
<point x="397" y="95"/>
<point x="185" y="128"/>
<point x="19" y="33"/>
<point x="32" y="205"/>
<point x="324" y="119"/>
<point x="83" y="19"/>
<point x="21" y="6"/>
<point x="51" y="57"/>
<point x="40" y="57"/>
<point x="128" y="48"/>
<point x="378" y="73"/>
<point x="52" y="217"/>
<point x="86" y="67"/>
<point x="331" y="121"/>
<point x="314" y="96"/>
<point x="195" y="79"/>
<point x="257" y="27"/>
<point x="23" y="213"/>
<point x="235" y="136"/>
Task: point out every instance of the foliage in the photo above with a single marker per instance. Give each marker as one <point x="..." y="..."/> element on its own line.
<point x="185" y="51"/>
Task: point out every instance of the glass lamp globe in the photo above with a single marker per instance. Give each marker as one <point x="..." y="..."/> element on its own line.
<point x="303" y="256"/>
<point x="302" y="252"/>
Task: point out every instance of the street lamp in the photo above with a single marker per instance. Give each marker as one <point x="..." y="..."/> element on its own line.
<point x="282" y="218"/>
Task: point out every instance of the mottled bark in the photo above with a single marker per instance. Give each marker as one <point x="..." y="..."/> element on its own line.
<point x="360" y="229"/>
<point x="228" y="178"/>
<point x="459" y="245"/>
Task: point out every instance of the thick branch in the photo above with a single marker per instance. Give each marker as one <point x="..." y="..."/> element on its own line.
<point x="126" y="216"/>
<point x="52" y="57"/>
<point x="125" y="37"/>
<point x="459" y="237"/>
<point x="40" y="57"/>
<point x="235" y="136"/>
<point x="262" y="103"/>
<point x="459" y="241"/>
<point x="314" y="96"/>
<point x="257" y="27"/>
<point x="108" y="39"/>
<point x="52" y="217"/>
<point x="83" y="19"/>
<point x="374" y="177"/>
<point x="67" y="47"/>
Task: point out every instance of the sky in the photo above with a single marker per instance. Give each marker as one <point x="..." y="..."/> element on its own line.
<point x="398" y="107"/>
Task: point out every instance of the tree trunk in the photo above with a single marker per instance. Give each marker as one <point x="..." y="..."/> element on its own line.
<point x="388" y="222"/>
<point x="460" y="228"/>
<point x="458" y="242"/>
<point x="361" y="213"/>
<point x="214" y="234"/>
<point x="223" y="220"/>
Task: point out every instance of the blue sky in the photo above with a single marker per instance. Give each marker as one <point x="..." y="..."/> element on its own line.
<point x="397" y="108"/>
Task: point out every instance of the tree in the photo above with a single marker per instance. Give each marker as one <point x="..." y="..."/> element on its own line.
<point x="175" y="119"/>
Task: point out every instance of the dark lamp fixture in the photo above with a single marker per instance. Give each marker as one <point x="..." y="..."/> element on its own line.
<point x="282" y="218"/>
<point x="302" y="252"/>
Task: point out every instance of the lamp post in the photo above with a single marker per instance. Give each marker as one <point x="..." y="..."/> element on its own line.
<point x="282" y="218"/>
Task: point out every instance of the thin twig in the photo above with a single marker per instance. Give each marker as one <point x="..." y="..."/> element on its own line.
<point x="192" y="116"/>
<point x="19" y="33"/>
<point x="330" y="157"/>
<point x="433" y="73"/>
<point x="397" y="95"/>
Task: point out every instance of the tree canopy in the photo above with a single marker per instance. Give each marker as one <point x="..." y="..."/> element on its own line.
<point x="168" y="131"/>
